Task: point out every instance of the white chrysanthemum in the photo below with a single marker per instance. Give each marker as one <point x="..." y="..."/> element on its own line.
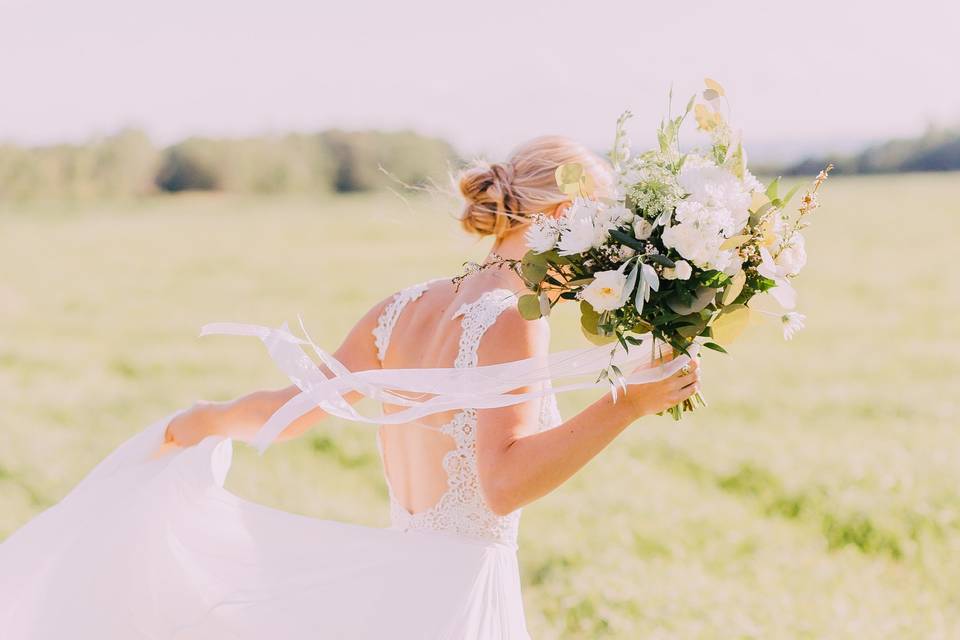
<point x="751" y="183"/>
<point x="793" y="257"/>
<point x="605" y="293"/>
<point x="578" y="229"/>
<point x="792" y="323"/>
<point x="613" y="216"/>
<point x="587" y="225"/>
<point x="542" y="234"/>
<point x="718" y="189"/>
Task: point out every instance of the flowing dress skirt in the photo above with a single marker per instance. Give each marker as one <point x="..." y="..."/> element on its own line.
<point x="157" y="548"/>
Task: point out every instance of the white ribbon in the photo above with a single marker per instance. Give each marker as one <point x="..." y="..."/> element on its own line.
<point x="428" y="391"/>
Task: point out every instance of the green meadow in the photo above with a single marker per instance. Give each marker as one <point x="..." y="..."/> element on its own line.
<point x="817" y="497"/>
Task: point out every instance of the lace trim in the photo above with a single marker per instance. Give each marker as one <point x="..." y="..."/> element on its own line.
<point x="391" y="313"/>
<point x="461" y="510"/>
<point x="478" y="316"/>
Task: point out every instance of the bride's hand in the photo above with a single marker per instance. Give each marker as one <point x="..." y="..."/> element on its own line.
<point x="654" y="397"/>
<point x="190" y="427"/>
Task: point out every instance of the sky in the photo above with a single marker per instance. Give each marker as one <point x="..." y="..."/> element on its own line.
<point x="486" y="75"/>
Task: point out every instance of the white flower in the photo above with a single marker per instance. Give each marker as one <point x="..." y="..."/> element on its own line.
<point x="698" y="243"/>
<point x="718" y="189"/>
<point x="792" y="323"/>
<point x="605" y="293"/>
<point x="626" y="252"/>
<point x="587" y="225"/>
<point x="578" y="232"/>
<point x="681" y="270"/>
<point x="542" y="233"/>
<point x="751" y="183"/>
<point x="642" y="228"/>
<point x="793" y="256"/>
<point x="783" y="293"/>
<point x="612" y="216"/>
<point x="734" y="264"/>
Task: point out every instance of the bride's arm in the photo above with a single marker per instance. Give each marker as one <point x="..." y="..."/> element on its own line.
<point x="242" y="418"/>
<point x="518" y="465"/>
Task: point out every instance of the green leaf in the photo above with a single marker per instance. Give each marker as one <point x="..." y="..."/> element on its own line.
<point x="627" y="239"/>
<point x="714" y="346"/>
<point x="544" y="301"/>
<point x="700" y="299"/>
<point x="785" y="200"/>
<point x="589" y="317"/>
<point x="529" y="306"/>
<point x="661" y="260"/>
<point x="773" y="188"/>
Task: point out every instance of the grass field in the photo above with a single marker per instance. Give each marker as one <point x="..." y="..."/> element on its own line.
<point x="816" y="498"/>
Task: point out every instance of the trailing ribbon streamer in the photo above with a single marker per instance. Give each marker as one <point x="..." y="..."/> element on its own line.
<point x="428" y="391"/>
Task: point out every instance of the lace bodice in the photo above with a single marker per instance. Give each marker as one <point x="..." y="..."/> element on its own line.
<point x="461" y="510"/>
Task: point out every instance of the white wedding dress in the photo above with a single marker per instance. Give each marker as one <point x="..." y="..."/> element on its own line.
<point x="157" y="548"/>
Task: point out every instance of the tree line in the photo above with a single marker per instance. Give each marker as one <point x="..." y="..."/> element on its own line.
<point x="129" y="165"/>
<point x="935" y="150"/>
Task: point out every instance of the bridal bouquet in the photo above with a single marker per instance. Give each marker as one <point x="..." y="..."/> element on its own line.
<point x="678" y="250"/>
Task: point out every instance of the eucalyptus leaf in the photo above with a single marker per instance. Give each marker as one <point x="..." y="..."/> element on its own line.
<point x="734" y="242"/>
<point x="730" y="323"/>
<point x="544" y="301"/>
<point x="701" y="298"/>
<point x="589" y="318"/>
<point x="529" y="306"/>
<point x="733" y="290"/>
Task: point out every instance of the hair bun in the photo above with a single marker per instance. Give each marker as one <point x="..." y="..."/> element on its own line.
<point x="500" y="197"/>
<point x="487" y="189"/>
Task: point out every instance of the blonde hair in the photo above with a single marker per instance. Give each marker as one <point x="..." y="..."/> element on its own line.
<point x="502" y="196"/>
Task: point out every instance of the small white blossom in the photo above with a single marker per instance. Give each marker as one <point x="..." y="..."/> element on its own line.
<point x="642" y="228"/>
<point x="792" y="322"/>
<point x="681" y="270"/>
<point x="605" y="293"/>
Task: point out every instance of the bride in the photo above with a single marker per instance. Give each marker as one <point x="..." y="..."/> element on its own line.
<point x="150" y="544"/>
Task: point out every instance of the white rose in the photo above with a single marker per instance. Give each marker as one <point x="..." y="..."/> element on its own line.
<point x="681" y="270"/>
<point x="642" y="228"/>
<point x="605" y="293"/>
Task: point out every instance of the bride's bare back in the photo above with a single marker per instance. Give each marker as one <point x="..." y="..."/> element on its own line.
<point x="436" y="325"/>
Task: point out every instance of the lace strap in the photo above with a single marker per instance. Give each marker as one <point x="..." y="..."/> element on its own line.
<point x="478" y="316"/>
<point x="391" y="313"/>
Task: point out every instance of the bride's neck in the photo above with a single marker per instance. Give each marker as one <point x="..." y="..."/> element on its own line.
<point x="511" y="246"/>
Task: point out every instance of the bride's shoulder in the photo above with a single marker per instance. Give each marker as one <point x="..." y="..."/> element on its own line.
<point x="512" y="337"/>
